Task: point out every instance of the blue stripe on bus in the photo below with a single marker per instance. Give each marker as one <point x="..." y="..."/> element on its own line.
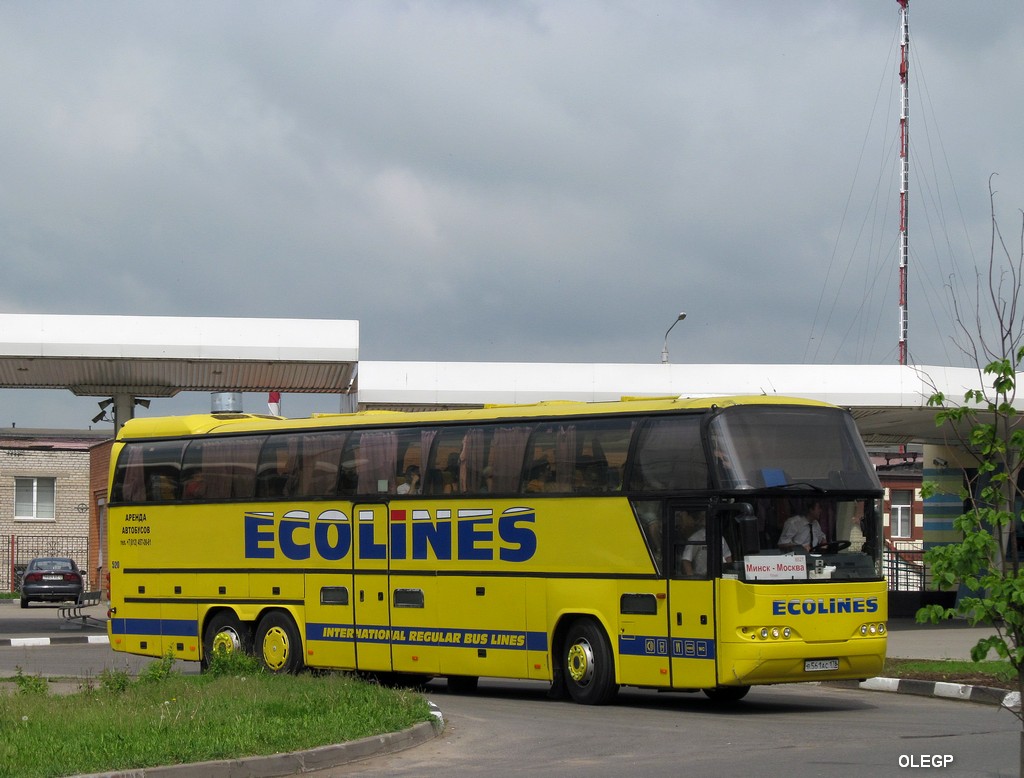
<point x="183" y="628"/>
<point x="428" y="636"/>
<point x="682" y="648"/>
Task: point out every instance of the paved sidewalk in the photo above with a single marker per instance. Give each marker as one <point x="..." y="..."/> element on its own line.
<point x="952" y="639"/>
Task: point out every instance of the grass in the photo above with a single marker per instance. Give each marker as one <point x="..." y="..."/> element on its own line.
<point x="997" y="673"/>
<point x="164" y="718"/>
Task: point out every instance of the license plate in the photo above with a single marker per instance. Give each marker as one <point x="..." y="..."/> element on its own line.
<point x="819" y="665"/>
<point x="53" y="578"/>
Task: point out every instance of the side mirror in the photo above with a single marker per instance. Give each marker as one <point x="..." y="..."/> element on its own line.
<point x="746" y="526"/>
<point x="749" y="538"/>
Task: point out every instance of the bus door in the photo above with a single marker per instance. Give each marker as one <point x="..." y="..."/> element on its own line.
<point x="691" y="595"/>
<point x="330" y="601"/>
<point x="371" y="588"/>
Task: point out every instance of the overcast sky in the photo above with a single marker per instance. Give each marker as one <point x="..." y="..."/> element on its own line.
<point x="510" y="181"/>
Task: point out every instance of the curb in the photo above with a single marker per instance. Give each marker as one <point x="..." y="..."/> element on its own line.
<point x="272" y="765"/>
<point x="986" y="695"/>
<point x="59" y="641"/>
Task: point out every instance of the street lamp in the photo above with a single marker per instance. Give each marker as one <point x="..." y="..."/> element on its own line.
<point x="664" y="348"/>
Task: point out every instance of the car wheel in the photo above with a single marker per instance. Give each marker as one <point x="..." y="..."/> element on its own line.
<point x="24" y="602"/>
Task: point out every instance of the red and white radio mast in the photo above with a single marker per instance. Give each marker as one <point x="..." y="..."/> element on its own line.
<point x="904" y="171"/>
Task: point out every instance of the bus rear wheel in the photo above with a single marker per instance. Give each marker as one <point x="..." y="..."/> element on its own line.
<point x="224" y="632"/>
<point x="589" y="670"/>
<point x="278" y="645"/>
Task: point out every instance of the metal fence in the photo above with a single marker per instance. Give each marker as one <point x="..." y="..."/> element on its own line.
<point x="905" y="569"/>
<point x="18" y="550"/>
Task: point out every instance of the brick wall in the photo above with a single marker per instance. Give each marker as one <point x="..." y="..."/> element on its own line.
<point x="64" y="457"/>
<point x="99" y="466"/>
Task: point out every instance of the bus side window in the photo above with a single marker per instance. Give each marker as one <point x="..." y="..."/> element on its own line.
<point x="319" y="467"/>
<point x="670" y="456"/>
<point x="276" y="471"/>
<point x="221" y="468"/>
<point x="148" y="472"/>
<point x="601" y="450"/>
<point x="348" y="474"/>
<point x="445" y="472"/>
<point x="409" y="465"/>
<point x="378" y="453"/>
<point x="551" y="459"/>
<point x="505" y="457"/>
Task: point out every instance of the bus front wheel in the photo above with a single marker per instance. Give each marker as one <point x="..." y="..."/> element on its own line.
<point x="278" y="644"/>
<point x="726" y="694"/>
<point x="224" y="632"/>
<point x="588" y="667"/>
<point x="462" y="684"/>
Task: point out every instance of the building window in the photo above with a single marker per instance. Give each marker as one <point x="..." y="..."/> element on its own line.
<point x="34" y="498"/>
<point x="901" y="513"/>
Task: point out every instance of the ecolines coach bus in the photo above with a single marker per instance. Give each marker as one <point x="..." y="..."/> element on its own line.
<point x="676" y="544"/>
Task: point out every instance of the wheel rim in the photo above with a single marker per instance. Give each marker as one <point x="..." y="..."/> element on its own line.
<point x="226" y="641"/>
<point x="275" y="648"/>
<point x="580" y="661"/>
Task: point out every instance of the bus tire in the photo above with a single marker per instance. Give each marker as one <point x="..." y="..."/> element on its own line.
<point x="462" y="684"/>
<point x="725" y="695"/>
<point x="225" y="632"/>
<point x="588" y="666"/>
<point x="278" y="645"/>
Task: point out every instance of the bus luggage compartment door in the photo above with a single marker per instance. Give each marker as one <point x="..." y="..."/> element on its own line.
<point x="692" y="634"/>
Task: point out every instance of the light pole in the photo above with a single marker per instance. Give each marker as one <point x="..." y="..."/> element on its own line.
<point x="664" y="348"/>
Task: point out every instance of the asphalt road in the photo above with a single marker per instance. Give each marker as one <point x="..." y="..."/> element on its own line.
<point x="511" y="728"/>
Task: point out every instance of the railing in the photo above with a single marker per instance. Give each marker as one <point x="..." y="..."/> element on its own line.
<point x="18" y="550"/>
<point x="904" y="565"/>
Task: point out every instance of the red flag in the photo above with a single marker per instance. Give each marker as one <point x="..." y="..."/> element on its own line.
<point x="274" y="403"/>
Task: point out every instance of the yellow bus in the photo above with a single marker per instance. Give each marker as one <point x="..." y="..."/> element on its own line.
<point x="667" y="543"/>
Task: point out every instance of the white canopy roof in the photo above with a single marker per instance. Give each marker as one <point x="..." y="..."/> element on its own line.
<point x="158" y="356"/>
<point x="888" y="401"/>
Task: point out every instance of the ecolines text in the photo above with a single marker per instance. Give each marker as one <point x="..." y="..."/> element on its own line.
<point x="822" y="605"/>
<point x="470" y="535"/>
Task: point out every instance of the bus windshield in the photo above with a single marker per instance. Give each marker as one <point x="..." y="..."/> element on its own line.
<point x="766" y="447"/>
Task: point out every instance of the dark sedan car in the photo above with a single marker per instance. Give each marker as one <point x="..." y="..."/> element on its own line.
<point x="51" y="578"/>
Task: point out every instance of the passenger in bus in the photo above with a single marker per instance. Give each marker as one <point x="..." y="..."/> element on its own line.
<point x="694" y="560"/>
<point x="195" y="487"/>
<point x="434" y="483"/>
<point x="803" y="533"/>
<point x="452" y="476"/>
<point x="539" y="476"/>
<point x="411" y="485"/>
<point x="593" y="475"/>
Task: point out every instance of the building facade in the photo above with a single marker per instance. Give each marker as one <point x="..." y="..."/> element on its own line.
<point x="45" y="498"/>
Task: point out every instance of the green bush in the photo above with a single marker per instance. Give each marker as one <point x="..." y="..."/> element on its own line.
<point x="30" y="684"/>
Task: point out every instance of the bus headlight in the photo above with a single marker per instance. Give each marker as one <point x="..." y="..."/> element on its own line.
<point x="764" y="633"/>
<point x="786" y="633"/>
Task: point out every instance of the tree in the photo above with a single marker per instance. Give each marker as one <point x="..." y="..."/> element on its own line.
<point x="986" y="562"/>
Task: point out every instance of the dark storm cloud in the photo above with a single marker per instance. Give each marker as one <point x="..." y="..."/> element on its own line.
<point x="519" y="181"/>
